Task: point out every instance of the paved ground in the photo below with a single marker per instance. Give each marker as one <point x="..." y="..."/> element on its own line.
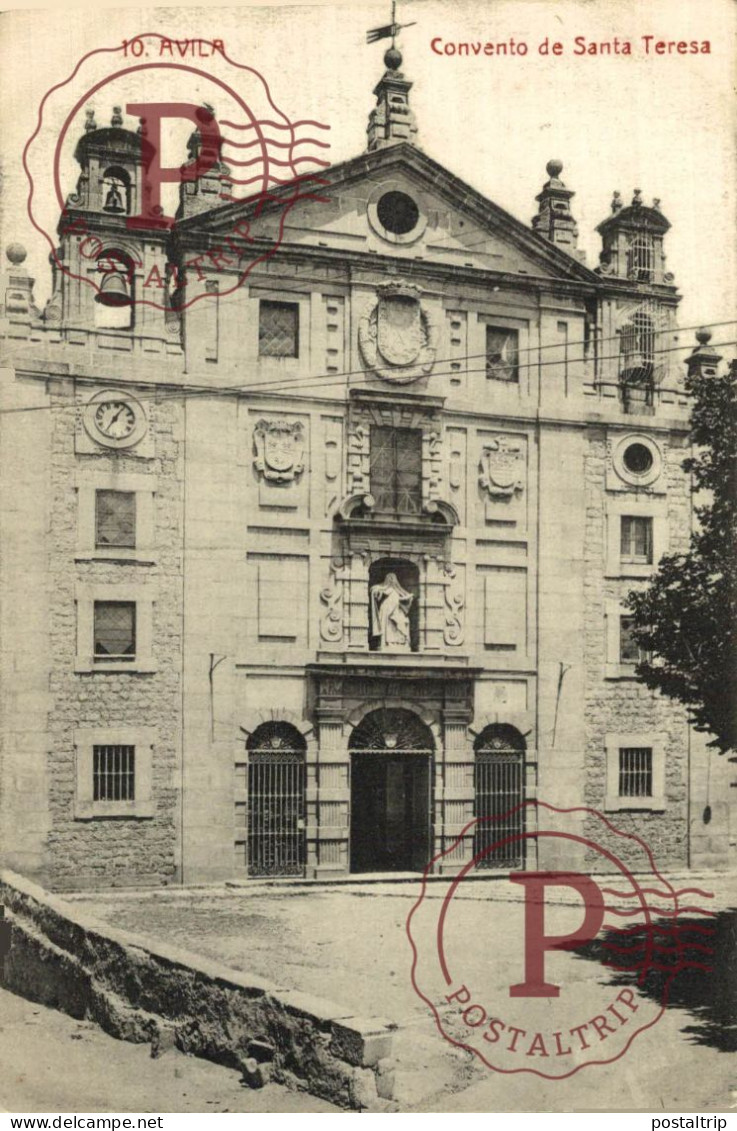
<point x="349" y="944"/>
<point x="52" y="1063"/>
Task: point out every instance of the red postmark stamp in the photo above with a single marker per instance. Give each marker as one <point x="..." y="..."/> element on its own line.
<point x="500" y="964"/>
<point x="249" y="160"/>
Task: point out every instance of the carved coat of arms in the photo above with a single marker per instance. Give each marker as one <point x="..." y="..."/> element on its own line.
<point x="398" y="337"/>
<point x="502" y="467"/>
<point x="279" y="446"/>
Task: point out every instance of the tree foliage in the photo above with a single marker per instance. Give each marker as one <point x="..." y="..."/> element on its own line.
<point x="686" y="619"/>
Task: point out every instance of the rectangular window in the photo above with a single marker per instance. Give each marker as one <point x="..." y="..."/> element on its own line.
<point x="630" y="651"/>
<point x="637" y="539"/>
<point x="502" y="354"/>
<point x="635" y="771"/>
<point x="113" y="773"/>
<point x="278" y="329"/>
<point x="115" y="519"/>
<point x="396" y="470"/>
<point x="115" y="630"/>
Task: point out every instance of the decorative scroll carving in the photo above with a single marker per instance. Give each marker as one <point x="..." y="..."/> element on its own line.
<point x="454" y="605"/>
<point x="331" y="622"/>
<point x="502" y="467"/>
<point x="432" y="459"/>
<point x="358" y="459"/>
<point x="279" y="446"/>
<point x="398" y="337"/>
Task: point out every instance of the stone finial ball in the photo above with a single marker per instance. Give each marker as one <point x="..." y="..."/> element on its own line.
<point x="703" y="337"/>
<point x="16" y="253"/>
<point x="554" y="167"/>
<point x="393" y="59"/>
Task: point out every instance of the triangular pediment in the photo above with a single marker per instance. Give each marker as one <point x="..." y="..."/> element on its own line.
<point x="457" y="226"/>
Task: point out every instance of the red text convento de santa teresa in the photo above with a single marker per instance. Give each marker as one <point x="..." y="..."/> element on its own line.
<point x="643" y="45"/>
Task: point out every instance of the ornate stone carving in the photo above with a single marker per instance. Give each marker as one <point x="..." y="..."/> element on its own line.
<point x="358" y="459"/>
<point x="398" y="337"/>
<point x="454" y="605"/>
<point x="433" y="444"/>
<point x="279" y="446"/>
<point x="331" y="622"/>
<point x="390" y="605"/>
<point x="502" y="467"/>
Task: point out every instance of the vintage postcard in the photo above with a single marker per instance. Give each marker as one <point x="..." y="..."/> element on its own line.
<point x="367" y="405"/>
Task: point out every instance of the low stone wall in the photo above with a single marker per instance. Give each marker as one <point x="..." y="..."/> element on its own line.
<point x="140" y="990"/>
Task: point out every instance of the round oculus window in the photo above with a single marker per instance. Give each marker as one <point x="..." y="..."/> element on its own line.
<point x="638" y="459"/>
<point x="397" y="213"/>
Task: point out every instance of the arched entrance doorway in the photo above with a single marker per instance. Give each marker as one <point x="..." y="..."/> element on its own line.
<point x="276" y="800"/>
<point x="499" y="786"/>
<point x="391" y="763"/>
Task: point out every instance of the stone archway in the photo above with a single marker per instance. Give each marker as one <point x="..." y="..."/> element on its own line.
<point x="391" y="751"/>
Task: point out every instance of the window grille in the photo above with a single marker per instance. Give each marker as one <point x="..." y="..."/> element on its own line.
<point x="278" y="329"/>
<point x="396" y="470"/>
<point x="637" y="540"/>
<point x="635" y="771"/>
<point x="115" y="630"/>
<point x="641" y="259"/>
<point x="276" y="801"/>
<point x="499" y="792"/>
<point x="115" y="519"/>
<point x="114" y="773"/>
<point x="502" y="354"/>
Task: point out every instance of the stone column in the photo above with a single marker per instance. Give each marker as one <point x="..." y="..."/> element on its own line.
<point x="454" y="792"/>
<point x="328" y="838"/>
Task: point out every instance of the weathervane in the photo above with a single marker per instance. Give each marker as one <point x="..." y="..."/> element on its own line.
<point x="389" y="29"/>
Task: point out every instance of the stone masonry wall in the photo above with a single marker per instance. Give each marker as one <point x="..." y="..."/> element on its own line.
<point x="143" y="991"/>
<point x="108" y="851"/>
<point x="626" y="705"/>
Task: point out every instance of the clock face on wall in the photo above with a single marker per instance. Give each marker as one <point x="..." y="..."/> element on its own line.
<point x="116" y="419"/>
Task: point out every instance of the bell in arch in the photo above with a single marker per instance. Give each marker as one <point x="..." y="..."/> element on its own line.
<point x="114" y="199"/>
<point x="113" y="290"/>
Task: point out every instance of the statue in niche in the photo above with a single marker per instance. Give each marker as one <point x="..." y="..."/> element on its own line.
<point x="390" y="605"/>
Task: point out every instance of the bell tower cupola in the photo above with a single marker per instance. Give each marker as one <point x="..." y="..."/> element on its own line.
<point x="632" y="239"/>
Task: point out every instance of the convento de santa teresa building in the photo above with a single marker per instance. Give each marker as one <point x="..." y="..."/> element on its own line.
<point x="309" y="567"/>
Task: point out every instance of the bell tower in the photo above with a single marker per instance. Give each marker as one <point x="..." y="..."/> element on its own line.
<point x="110" y="267"/>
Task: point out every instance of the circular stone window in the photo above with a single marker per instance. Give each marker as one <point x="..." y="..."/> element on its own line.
<point x="637" y="460"/>
<point x="397" y="213"/>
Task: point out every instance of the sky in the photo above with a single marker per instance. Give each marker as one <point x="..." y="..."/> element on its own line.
<point x="664" y="123"/>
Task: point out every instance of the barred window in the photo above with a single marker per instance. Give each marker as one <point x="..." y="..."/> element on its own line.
<point x="637" y="539"/>
<point x="278" y="329"/>
<point x="114" y="773"/>
<point x="635" y="771"/>
<point x="115" y="519"/>
<point x="502" y="354"/>
<point x="641" y="259"/>
<point x="396" y="469"/>
<point x="115" y="630"/>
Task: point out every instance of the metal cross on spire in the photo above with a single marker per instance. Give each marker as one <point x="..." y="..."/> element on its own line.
<point x="388" y="29"/>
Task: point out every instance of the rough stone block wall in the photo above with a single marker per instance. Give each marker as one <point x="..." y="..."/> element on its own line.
<point x="626" y="705"/>
<point x="142" y="991"/>
<point x="115" y="851"/>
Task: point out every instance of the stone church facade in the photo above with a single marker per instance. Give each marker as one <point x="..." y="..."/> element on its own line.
<point x="304" y="571"/>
